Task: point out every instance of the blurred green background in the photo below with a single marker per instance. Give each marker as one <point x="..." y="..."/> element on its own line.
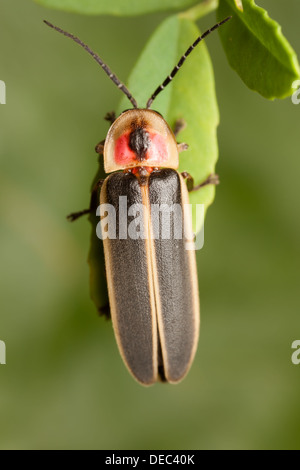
<point x="64" y="385"/>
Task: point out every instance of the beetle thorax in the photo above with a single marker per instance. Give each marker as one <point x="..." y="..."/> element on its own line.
<point x="137" y="138"/>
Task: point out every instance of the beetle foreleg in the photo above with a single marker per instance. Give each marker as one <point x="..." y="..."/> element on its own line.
<point x="110" y="117"/>
<point x="212" y="179"/>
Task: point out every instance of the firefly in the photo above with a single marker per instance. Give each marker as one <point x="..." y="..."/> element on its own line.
<point x="152" y="281"/>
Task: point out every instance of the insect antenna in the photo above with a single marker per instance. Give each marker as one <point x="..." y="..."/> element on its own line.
<point x="106" y="69"/>
<point x="182" y="60"/>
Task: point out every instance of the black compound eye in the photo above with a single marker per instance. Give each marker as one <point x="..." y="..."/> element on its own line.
<point x="139" y="142"/>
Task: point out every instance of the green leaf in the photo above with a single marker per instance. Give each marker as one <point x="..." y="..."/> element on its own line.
<point x="257" y="50"/>
<point x="191" y="96"/>
<point x="117" y="7"/>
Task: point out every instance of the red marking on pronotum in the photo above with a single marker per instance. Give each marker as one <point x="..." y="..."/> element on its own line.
<point x="157" y="151"/>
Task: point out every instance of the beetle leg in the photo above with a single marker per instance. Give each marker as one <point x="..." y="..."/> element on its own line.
<point x="180" y="124"/>
<point x="182" y="147"/>
<point x="189" y="180"/>
<point x="110" y="117"/>
<point x="76" y="215"/>
<point x="212" y="179"/>
<point x="100" y="147"/>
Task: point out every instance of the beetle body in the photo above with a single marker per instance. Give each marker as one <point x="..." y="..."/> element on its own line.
<point x="152" y="282"/>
